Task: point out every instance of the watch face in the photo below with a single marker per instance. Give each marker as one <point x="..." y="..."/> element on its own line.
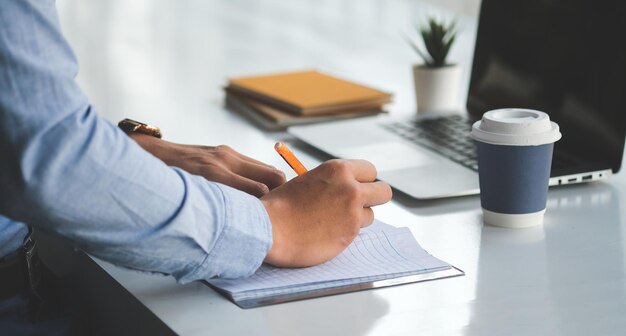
<point x="132" y="126"/>
<point x="151" y="130"/>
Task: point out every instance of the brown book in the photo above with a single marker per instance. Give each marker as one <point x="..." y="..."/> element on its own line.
<point x="272" y="119"/>
<point x="309" y="93"/>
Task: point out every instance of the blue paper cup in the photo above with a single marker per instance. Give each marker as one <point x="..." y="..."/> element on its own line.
<point x="514" y="159"/>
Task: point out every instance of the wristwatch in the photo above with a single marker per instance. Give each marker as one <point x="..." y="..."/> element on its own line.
<point x="132" y="126"/>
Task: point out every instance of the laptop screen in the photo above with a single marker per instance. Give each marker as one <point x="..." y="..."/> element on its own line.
<point x="564" y="57"/>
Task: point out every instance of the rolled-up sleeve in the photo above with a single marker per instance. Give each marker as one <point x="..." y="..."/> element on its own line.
<point x="66" y="170"/>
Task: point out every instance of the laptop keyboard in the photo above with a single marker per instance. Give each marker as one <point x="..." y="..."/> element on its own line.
<point x="448" y="136"/>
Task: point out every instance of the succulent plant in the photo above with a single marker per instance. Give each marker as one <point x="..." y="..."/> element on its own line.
<point x="438" y="37"/>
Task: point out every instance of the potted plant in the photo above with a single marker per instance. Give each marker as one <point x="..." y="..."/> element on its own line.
<point x="436" y="81"/>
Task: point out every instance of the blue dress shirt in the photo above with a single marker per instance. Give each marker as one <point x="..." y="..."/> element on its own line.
<point x="64" y="169"/>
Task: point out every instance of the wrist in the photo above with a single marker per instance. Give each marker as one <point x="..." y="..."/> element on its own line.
<point x="160" y="148"/>
<point x="275" y="252"/>
<point x="146" y="142"/>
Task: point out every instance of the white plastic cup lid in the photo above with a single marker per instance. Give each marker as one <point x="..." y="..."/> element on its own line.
<point x="516" y="127"/>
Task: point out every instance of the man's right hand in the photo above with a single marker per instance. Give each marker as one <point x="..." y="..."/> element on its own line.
<point x="315" y="216"/>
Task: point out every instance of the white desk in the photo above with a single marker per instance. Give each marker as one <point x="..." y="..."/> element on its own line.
<point x="164" y="62"/>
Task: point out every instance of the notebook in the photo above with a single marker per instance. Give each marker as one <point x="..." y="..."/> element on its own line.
<point x="309" y="93"/>
<point x="273" y="119"/>
<point x="380" y="256"/>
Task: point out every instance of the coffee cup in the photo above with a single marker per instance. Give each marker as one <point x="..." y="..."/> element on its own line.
<point x="514" y="160"/>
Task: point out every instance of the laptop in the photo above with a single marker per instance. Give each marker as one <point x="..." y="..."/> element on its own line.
<point x="563" y="57"/>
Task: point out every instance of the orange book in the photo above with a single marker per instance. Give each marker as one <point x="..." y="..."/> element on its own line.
<point x="309" y="93"/>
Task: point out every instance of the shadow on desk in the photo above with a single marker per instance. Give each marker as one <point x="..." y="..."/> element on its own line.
<point x="110" y="309"/>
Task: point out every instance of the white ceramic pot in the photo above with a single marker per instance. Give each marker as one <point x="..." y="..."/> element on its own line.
<point x="437" y="89"/>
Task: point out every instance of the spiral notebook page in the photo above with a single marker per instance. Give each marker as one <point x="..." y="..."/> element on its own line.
<point x="379" y="252"/>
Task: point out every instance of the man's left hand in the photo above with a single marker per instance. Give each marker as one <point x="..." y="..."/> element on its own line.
<point x="216" y="163"/>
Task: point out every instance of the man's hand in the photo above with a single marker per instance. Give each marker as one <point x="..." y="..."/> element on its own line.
<point x="315" y="216"/>
<point x="219" y="164"/>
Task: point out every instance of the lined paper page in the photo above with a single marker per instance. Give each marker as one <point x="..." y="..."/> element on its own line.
<point x="378" y="252"/>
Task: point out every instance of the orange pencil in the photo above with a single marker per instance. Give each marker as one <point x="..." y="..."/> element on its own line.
<point x="290" y="158"/>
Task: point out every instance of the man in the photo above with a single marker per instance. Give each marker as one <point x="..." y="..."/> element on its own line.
<point x="190" y="211"/>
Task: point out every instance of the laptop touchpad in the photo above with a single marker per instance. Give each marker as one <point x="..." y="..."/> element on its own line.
<point x="388" y="155"/>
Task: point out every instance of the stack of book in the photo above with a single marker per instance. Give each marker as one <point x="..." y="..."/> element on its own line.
<point x="276" y="101"/>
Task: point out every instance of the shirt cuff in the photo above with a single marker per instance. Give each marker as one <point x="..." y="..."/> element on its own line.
<point x="244" y="241"/>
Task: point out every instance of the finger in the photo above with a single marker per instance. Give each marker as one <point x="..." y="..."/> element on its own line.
<point x="265" y="174"/>
<point x="242" y="183"/>
<point x="375" y="193"/>
<point x="363" y="171"/>
<point x="368" y="217"/>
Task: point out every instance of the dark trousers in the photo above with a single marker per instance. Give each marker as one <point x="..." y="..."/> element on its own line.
<point x="53" y="310"/>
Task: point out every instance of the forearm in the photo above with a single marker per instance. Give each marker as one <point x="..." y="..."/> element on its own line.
<point x="66" y="170"/>
<point x="98" y="188"/>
